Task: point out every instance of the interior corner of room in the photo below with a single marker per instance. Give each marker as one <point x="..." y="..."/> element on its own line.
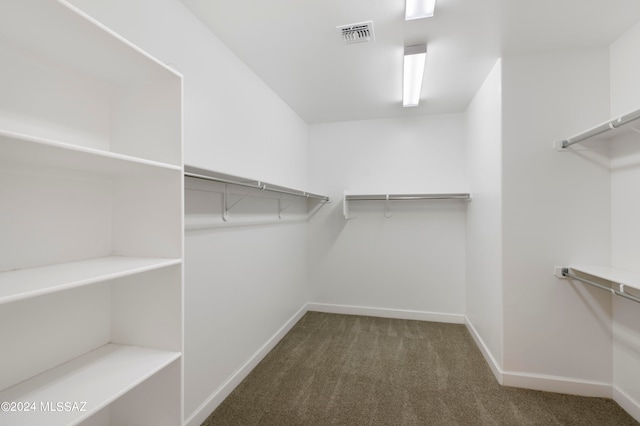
<point x="182" y="181"/>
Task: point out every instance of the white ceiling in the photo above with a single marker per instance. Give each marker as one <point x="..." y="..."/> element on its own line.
<point x="293" y="45"/>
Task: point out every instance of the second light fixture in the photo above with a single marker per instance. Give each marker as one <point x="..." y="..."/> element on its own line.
<point x="418" y="9"/>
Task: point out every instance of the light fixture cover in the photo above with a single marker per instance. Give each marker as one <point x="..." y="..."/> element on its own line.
<point x="414" y="62"/>
<point x="418" y="9"/>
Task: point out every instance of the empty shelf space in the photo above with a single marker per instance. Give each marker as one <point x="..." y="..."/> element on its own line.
<point x="32" y="282"/>
<point x="89" y="382"/>
<point x="620" y="276"/>
<point x="28" y="150"/>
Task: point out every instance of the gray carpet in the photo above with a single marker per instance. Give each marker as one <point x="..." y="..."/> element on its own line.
<point x="352" y="370"/>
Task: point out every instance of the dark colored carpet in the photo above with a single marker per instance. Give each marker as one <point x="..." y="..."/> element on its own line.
<point x="352" y="370"/>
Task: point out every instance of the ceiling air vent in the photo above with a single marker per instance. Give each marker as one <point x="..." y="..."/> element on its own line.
<point x="357" y="33"/>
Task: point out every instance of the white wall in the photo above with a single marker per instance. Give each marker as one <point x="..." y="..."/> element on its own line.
<point x="625" y="204"/>
<point x="484" y="306"/>
<point x="242" y="284"/>
<point x="232" y="119"/>
<point x="556" y="211"/>
<point x="413" y="261"/>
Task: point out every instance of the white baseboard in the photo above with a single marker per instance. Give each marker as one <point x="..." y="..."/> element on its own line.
<point x="627" y="403"/>
<point x="558" y="384"/>
<point x="386" y="313"/>
<point x="206" y="408"/>
<point x="495" y="367"/>
<point x="542" y="382"/>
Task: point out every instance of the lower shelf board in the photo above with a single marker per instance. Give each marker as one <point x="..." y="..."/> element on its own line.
<point x="73" y="391"/>
<point x="33" y="282"/>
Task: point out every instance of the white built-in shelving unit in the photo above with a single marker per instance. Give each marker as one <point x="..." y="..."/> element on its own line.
<point x="91" y="183"/>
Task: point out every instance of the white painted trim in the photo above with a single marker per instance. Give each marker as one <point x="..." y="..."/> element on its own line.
<point x="496" y="369"/>
<point x="558" y="384"/>
<point x="542" y="382"/>
<point x="201" y="413"/>
<point x="627" y="403"/>
<point x="386" y="313"/>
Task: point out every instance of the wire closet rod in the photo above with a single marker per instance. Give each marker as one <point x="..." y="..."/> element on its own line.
<point x="605" y="127"/>
<point x="209" y="175"/>
<point x="566" y="273"/>
<point x="406" y="197"/>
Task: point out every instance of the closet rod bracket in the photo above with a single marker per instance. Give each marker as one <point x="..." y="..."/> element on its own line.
<point x="387" y="207"/>
<point x="225" y="206"/>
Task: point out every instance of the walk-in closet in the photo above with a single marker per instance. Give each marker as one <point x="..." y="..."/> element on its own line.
<point x="217" y="212"/>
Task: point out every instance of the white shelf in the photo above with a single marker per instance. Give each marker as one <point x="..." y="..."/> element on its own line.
<point x="96" y="378"/>
<point x="620" y="276"/>
<point x="67" y="78"/>
<point x="605" y="131"/>
<point x="406" y="197"/>
<point x="28" y="150"/>
<point x="90" y="165"/>
<point x="347" y="197"/>
<point x="32" y="282"/>
<point x="211" y="175"/>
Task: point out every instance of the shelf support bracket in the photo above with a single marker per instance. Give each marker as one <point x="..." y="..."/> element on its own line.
<point x="225" y="202"/>
<point x="225" y="208"/>
<point x="282" y="209"/>
<point x="387" y="207"/>
<point x="345" y="207"/>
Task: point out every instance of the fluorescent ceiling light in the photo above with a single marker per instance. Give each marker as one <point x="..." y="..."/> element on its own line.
<point x="414" y="61"/>
<point x="418" y="9"/>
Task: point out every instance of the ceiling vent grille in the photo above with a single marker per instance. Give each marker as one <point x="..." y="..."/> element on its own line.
<point x="357" y="33"/>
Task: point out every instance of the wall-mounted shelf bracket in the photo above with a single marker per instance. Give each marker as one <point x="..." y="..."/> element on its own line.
<point x="281" y="209"/>
<point x="225" y="205"/>
<point x="387" y="208"/>
<point x="226" y="208"/>
<point x="345" y="208"/>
